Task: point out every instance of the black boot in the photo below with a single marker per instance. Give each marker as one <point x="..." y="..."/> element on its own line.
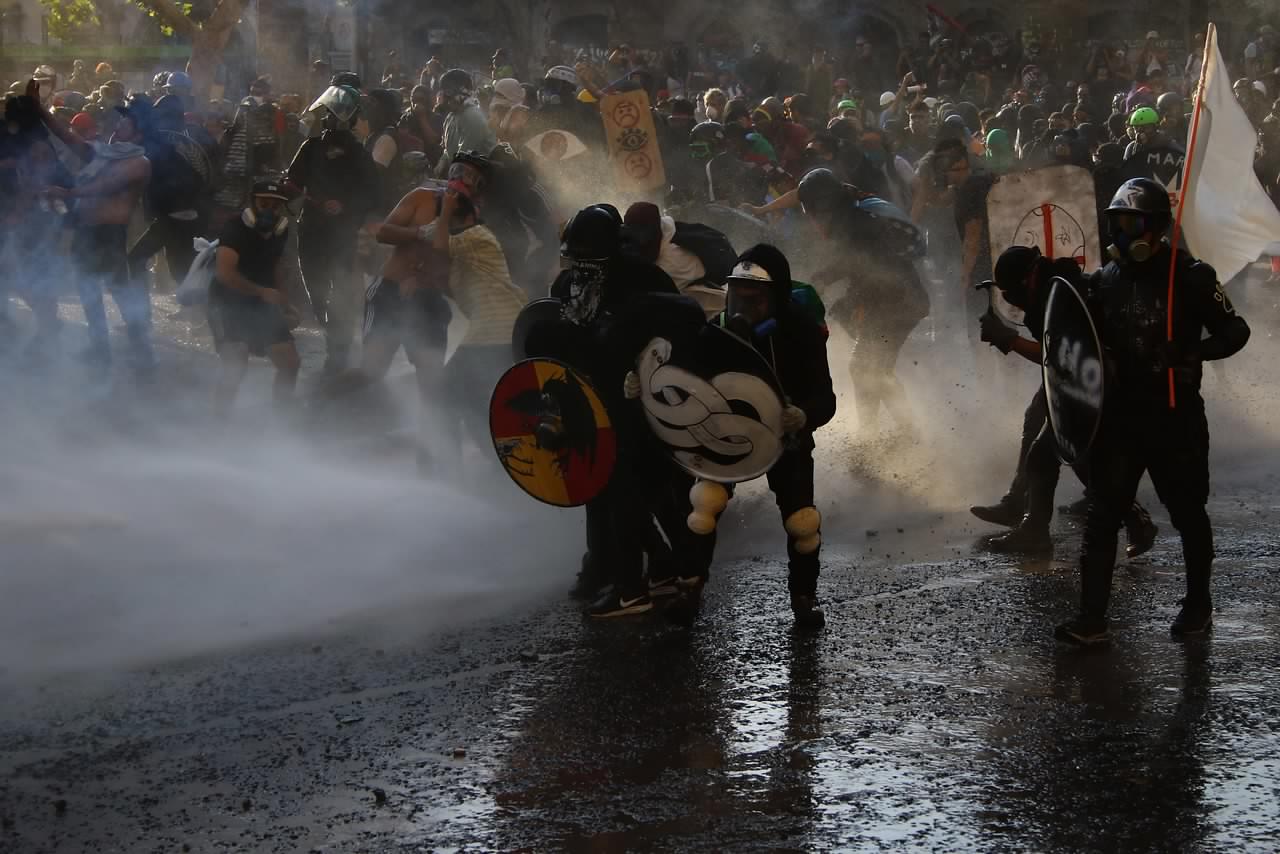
<point x="592" y="578"/>
<point x="1194" y="618"/>
<point x="1140" y="531"/>
<point x="809" y="616"/>
<point x="1007" y="511"/>
<point x="1030" y="537"/>
<point x="1089" y="627"/>
<point x="1196" y="615"/>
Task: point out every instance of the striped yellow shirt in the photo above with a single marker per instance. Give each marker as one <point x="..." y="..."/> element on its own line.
<point x="480" y="284"/>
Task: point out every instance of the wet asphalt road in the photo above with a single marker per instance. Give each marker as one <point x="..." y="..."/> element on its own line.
<point x="933" y="713"/>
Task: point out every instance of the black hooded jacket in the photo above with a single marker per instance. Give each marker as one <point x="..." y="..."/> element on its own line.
<point x="1129" y="303"/>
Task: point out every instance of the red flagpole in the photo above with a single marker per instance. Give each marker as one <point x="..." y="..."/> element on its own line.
<point x="1210" y="36"/>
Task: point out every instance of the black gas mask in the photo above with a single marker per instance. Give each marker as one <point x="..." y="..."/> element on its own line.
<point x="1128" y="233"/>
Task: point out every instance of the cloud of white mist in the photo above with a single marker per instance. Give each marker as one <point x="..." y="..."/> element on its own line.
<point x="120" y="547"/>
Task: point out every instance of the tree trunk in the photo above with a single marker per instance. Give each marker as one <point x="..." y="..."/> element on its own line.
<point x="207" y="41"/>
<point x="206" y="55"/>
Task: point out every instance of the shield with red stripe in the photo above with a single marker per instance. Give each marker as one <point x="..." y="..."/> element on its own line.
<point x="1052" y="208"/>
<point x="551" y="432"/>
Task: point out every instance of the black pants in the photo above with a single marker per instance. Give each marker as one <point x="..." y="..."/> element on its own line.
<point x="876" y="347"/>
<point x="1033" y="421"/>
<point x="1039" y="468"/>
<point x="469" y="378"/>
<point x="620" y="522"/>
<point x="175" y="237"/>
<point x="791" y="481"/>
<point x="326" y="260"/>
<point x="1173" y="449"/>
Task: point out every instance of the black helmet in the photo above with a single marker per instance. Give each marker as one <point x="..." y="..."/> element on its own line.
<point x="593" y="234"/>
<point x="1013" y="266"/>
<point x="1170" y="103"/>
<point x="708" y="132"/>
<point x="1142" y="196"/>
<point x="818" y="190"/>
<point x="457" y="82"/>
<point x="346" y="78"/>
<point x="482" y="163"/>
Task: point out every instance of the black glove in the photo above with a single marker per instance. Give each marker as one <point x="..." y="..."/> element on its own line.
<point x="997" y="333"/>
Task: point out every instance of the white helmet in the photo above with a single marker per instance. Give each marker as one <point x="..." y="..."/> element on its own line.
<point x="563" y="73"/>
<point x="509" y="90"/>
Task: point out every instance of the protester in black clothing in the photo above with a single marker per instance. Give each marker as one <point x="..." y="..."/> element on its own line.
<point x="248" y="307"/>
<point x="871" y="244"/>
<point x="176" y="201"/>
<point x="1025" y="277"/>
<point x="611" y="307"/>
<point x="1153" y="418"/>
<point x="729" y="180"/>
<point x="340" y="186"/>
<point x="760" y="310"/>
<point x="970" y="191"/>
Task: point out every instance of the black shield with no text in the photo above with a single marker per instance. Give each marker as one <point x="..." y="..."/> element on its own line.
<point x="538" y="318"/>
<point x="1072" y="370"/>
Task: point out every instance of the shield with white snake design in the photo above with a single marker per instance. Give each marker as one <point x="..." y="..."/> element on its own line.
<point x="715" y="403"/>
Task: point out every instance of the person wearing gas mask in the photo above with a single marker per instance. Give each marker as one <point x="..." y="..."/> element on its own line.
<point x="611" y="307"/>
<point x="465" y="127"/>
<point x="760" y="309"/>
<point x="1153" y="418"/>
<point x="560" y="109"/>
<point x="339" y="182"/>
<point x="1025" y="277"/>
<point x="249" y="311"/>
<point x="872" y="245"/>
<point x="106" y="191"/>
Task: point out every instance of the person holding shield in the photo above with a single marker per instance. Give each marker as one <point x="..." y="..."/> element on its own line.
<point x="1024" y="276"/>
<point x="1152" y="304"/>
<point x="760" y="310"/>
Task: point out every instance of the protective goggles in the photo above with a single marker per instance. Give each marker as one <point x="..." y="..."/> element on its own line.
<point x="1128" y="224"/>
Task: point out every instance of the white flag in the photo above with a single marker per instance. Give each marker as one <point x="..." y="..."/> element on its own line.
<point x="1227" y="218"/>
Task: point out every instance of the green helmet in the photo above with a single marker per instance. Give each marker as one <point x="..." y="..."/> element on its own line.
<point x="1144" y="117"/>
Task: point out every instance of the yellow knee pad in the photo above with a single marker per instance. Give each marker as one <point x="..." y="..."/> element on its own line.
<point x="805" y="527"/>
<point x="708" y="499"/>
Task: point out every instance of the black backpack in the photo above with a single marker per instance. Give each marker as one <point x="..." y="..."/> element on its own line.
<point x="711" y="246"/>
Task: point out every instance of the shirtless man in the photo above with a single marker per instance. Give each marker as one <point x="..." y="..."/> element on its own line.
<point x="106" y="191"/>
<point x="405" y="305"/>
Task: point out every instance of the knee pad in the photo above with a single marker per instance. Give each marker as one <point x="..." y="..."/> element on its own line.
<point x="804" y="526"/>
<point x="708" y="499"/>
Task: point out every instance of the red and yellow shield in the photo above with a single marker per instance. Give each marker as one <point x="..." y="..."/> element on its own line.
<point x="551" y="432"/>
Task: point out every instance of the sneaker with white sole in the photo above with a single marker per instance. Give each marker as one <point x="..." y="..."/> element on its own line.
<point x="1083" y="631"/>
<point x="662" y="587"/>
<point x="614" y="604"/>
